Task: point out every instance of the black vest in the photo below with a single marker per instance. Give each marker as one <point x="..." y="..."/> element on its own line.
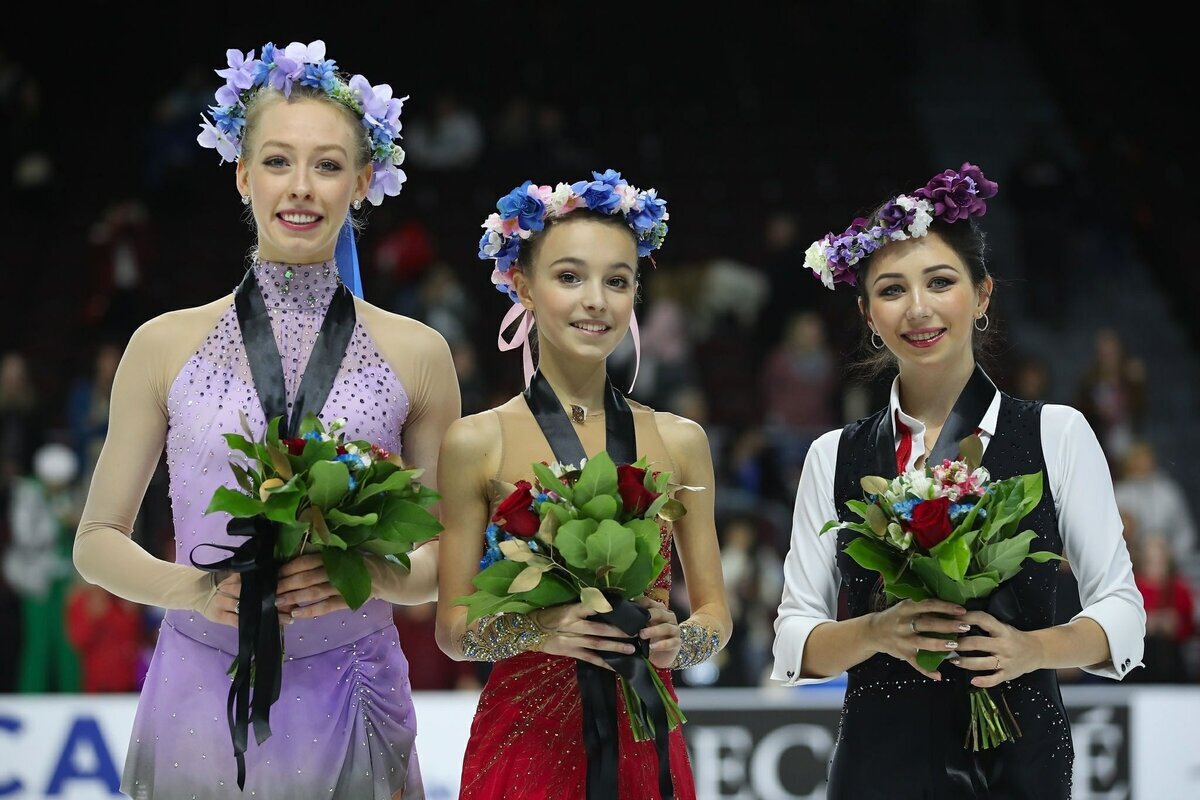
<point x="888" y="704"/>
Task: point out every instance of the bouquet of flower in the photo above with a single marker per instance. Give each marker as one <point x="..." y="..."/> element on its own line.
<point x="589" y="535"/>
<point x="948" y="532"/>
<point x="342" y="499"/>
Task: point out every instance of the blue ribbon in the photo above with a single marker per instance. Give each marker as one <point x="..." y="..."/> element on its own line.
<point x="346" y="256"/>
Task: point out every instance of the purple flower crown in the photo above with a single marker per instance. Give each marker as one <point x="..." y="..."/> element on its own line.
<point x="281" y="69"/>
<point x="950" y="197"/>
<point x="524" y="211"/>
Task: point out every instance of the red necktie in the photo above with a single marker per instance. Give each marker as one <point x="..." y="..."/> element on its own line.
<point x="904" y="449"/>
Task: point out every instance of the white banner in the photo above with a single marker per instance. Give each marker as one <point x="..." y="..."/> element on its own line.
<point x="1130" y="742"/>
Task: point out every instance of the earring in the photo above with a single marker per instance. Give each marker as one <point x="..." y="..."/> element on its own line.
<point x="875" y="335"/>
<point x="357" y="204"/>
<point x="245" y="199"/>
<point x="986" y="322"/>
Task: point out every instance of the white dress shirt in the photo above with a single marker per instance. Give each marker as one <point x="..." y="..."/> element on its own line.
<point x="1088" y="522"/>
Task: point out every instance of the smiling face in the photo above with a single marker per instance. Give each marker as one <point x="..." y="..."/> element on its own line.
<point x="581" y="288"/>
<point x="299" y="170"/>
<point x="921" y="301"/>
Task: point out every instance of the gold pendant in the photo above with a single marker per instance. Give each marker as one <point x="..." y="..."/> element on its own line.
<point x="578" y="414"/>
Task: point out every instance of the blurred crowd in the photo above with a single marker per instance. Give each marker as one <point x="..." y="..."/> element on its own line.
<point x="735" y="336"/>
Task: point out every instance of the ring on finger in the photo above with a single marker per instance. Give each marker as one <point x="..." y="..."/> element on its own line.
<point x="997" y="667"/>
<point x="912" y="623"/>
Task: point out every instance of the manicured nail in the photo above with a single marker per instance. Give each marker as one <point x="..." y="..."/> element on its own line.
<point x="964" y="628"/>
<point x="951" y="645"/>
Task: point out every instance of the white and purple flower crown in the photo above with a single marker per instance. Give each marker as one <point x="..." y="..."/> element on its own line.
<point x="306" y="65"/>
<point x="950" y="197"/>
<point x="524" y="211"/>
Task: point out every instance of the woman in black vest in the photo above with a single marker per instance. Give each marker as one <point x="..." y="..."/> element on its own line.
<point x="923" y="292"/>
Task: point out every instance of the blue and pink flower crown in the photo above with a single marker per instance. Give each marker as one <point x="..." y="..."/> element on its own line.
<point x="950" y="197"/>
<point x="524" y="211"/>
<point x="306" y="65"/>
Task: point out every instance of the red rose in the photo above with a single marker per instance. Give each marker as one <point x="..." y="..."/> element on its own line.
<point x="931" y="521"/>
<point x="515" y="515"/>
<point x="631" y="485"/>
<point x="294" y="446"/>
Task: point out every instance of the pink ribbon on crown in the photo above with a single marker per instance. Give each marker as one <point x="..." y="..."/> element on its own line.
<point x="523" y="319"/>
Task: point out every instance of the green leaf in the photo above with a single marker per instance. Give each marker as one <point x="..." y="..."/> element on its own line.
<point x="338" y="519"/>
<point x="858" y="507"/>
<point x="954" y="556"/>
<point x="243" y="478"/>
<point x="395" y="482"/>
<point x="870" y="554"/>
<point x="930" y="660"/>
<point x="497" y="577"/>
<point x="550" y="483"/>
<point x="612" y="545"/>
<point x="600" y="507"/>
<point x="241" y="444"/>
<point x="646" y="566"/>
<point x="287" y="546"/>
<point x="599" y="477"/>
<point x="482" y="604"/>
<point x="941" y="586"/>
<point x="552" y="591"/>
<point x="383" y="547"/>
<point x="348" y="574"/>
<point x="329" y="483"/>
<point x="1005" y="556"/>
<point x="1042" y="556"/>
<point x="310" y="424"/>
<point x="234" y="503"/>
<point x="833" y="523"/>
<point x="571" y="541"/>
<point x="906" y="590"/>
<point x="315" y="451"/>
<point x="282" y="503"/>
<point x="404" y="521"/>
<point x="981" y="585"/>
<point x="657" y="505"/>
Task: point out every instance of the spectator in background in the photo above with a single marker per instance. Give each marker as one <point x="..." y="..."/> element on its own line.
<point x="429" y="669"/>
<point x="1112" y="394"/>
<point x="107" y="632"/>
<point x="20" y="422"/>
<point x="1031" y="379"/>
<point x="451" y="140"/>
<point x="1156" y="501"/>
<point x="121" y="250"/>
<point x="753" y="582"/>
<point x="87" y="407"/>
<point x="37" y="564"/>
<point x="1169" y="611"/>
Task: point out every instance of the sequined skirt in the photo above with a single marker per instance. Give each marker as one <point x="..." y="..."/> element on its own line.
<point x="343" y="726"/>
<point x="527" y="739"/>
<point x="901" y="738"/>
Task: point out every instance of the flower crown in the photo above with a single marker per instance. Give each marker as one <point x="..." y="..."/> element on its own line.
<point x="524" y="211"/>
<point x="950" y="197"/>
<point x="306" y="65"/>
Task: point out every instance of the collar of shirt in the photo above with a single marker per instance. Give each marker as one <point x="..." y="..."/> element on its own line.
<point x="987" y="426"/>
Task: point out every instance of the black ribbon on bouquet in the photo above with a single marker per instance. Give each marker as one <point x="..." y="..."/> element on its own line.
<point x="597" y="686"/>
<point x="258" y="677"/>
<point x="964" y="770"/>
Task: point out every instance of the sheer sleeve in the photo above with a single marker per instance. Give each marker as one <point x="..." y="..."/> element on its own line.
<point x="421" y="361"/>
<point x="105" y="554"/>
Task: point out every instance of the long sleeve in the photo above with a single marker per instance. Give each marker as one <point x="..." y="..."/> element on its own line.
<point x="810" y="575"/>
<point x="1092" y="537"/>
<point x="104" y="552"/>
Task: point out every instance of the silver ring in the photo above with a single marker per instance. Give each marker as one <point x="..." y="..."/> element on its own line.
<point x="237" y="607"/>
<point x="912" y="623"/>
<point x="997" y="668"/>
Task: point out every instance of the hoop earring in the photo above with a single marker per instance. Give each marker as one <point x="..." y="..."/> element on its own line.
<point x="875" y="335"/>
<point x="357" y="204"/>
<point x="245" y="199"/>
<point x="986" y="322"/>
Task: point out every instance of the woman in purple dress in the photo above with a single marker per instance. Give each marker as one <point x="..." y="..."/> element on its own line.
<point x="308" y="145"/>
